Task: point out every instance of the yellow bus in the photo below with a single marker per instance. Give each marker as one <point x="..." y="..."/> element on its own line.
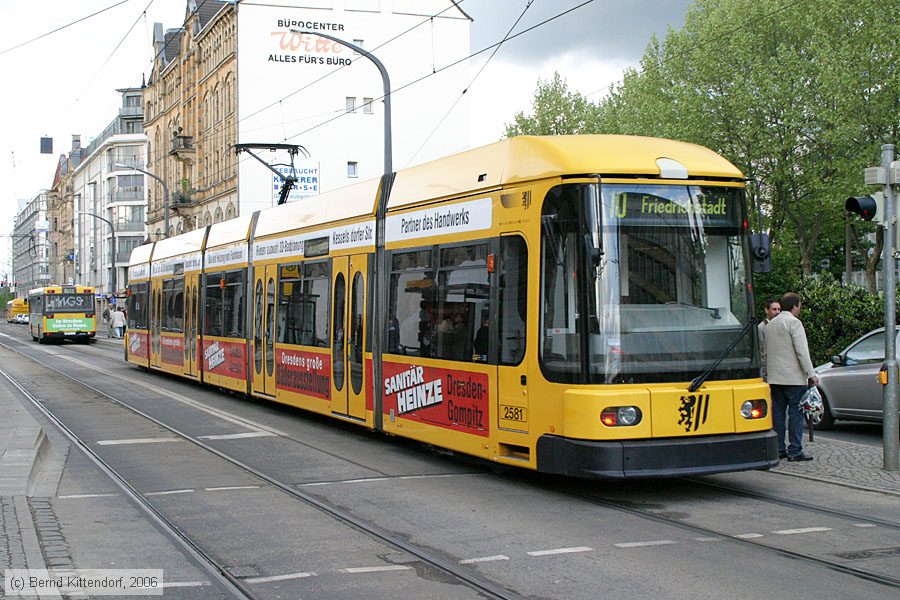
<point x="579" y="305"/>
<point x="61" y="312"/>
<point x="16" y="306"/>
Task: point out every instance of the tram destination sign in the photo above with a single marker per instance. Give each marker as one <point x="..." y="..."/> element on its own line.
<point x="712" y="208"/>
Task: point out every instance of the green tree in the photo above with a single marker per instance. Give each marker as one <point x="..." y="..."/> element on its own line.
<point x="555" y="111"/>
<point x="799" y="96"/>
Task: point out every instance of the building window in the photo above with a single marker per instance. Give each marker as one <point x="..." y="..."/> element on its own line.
<point x="367" y="106"/>
<point x="351" y="104"/>
<point x="352" y="169"/>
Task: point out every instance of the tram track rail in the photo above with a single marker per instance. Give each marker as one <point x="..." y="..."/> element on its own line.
<point x="230" y="584"/>
<point x="833" y="512"/>
<point x="449" y="567"/>
<point x="709" y="532"/>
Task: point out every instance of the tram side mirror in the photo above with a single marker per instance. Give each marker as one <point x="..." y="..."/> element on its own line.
<point x="761" y="253"/>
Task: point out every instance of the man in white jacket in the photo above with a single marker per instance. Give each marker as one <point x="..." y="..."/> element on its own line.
<point x="789" y="371"/>
<point x="117" y="319"/>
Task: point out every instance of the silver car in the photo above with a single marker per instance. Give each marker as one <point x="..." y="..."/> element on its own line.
<point x="849" y="383"/>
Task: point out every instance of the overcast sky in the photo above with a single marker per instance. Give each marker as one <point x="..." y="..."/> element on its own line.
<point x="64" y="83"/>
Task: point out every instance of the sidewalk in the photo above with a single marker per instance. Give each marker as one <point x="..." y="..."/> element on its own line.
<point x="844" y="463"/>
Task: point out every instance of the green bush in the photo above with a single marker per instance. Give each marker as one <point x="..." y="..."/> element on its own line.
<point x="832" y="315"/>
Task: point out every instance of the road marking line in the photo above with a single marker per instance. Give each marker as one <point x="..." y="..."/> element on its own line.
<point x="169" y="492"/>
<point x="469" y="561"/>
<point x="708" y="539"/>
<point x="803" y="530"/>
<point x="649" y="543"/>
<point x="559" y="551"/>
<point x="226" y="416"/>
<point x="137" y="441"/>
<point x="232" y="487"/>
<point x="864" y="525"/>
<point x="237" y="436"/>
<point x="747" y="536"/>
<point x="375" y="569"/>
<point x="68" y="496"/>
<point x="366" y="480"/>
<point x="280" y="577"/>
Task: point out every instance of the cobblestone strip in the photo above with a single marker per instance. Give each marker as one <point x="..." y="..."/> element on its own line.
<point x="53" y="543"/>
<point x="12" y="553"/>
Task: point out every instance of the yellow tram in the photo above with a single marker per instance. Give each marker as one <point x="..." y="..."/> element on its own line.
<point x="571" y="304"/>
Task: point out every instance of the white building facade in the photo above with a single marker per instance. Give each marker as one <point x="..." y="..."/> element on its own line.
<point x="109" y="200"/>
<point x="31" y="255"/>
<point x="301" y="88"/>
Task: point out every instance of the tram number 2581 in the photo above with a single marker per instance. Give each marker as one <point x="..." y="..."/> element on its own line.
<point x="513" y="413"/>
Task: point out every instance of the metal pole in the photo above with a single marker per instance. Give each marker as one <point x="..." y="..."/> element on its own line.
<point x="386" y="83"/>
<point x="112" y="230"/>
<point x="165" y="194"/>
<point x="381" y="269"/>
<point x="891" y="422"/>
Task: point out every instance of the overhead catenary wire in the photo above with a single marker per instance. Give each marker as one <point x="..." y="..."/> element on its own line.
<point x="342" y="113"/>
<point x="75" y="22"/>
<point x="471" y="81"/>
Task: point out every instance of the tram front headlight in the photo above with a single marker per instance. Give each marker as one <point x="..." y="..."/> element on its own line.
<point x="754" y="409"/>
<point x="620" y="416"/>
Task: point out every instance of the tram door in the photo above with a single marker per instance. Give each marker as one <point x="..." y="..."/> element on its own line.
<point x="348" y="331"/>
<point x="263" y="348"/>
<point x="155" y="322"/>
<point x="191" y="317"/>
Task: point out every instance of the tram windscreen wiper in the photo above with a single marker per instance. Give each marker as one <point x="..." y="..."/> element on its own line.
<point x="701" y="379"/>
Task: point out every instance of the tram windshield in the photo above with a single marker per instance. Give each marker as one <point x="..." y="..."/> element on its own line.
<point x="643" y="283"/>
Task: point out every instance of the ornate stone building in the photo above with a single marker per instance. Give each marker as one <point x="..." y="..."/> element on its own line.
<point x="190" y="121"/>
<point x="60" y="213"/>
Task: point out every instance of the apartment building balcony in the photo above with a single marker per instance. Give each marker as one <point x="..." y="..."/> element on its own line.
<point x="130" y="227"/>
<point x="125" y="194"/>
<point x="183" y="148"/>
<point x="131" y="111"/>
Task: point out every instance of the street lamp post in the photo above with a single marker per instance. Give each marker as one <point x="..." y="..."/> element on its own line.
<point x="386" y="82"/>
<point x="112" y="231"/>
<point x="381" y="269"/>
<point x="165" y="193"/>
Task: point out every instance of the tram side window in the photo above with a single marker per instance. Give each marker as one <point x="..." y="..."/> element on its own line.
<point x="440" y="316"/>
<point x="173" y="305"/>
<point x="212" y="323"/>
<point x="137" y="305"/>
<point x="411" y="290"/>
<point x="513" y="300"/>
<point x="304" y="296"/>
<point x="233" y="309"/>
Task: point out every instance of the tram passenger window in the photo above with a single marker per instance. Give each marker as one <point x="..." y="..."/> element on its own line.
<point x="233" y="308"/>
<point x="513" y="299"/>
<point x="213" y="320"/>
<point x="304" y="303"/>
<point x="462" y="303"/>
<point x="290" y="302"/>
<point x="136" y="305"/>
<point x="412" y="281"/>
<point x="177" y="313"/>
<point x="316" y="287"/>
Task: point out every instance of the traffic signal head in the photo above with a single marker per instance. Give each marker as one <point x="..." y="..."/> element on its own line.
<point x="867" y="207"/>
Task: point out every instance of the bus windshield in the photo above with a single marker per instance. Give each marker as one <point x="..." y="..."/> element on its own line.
<point x="77" y="303"/>
<point x="643" y="283"/>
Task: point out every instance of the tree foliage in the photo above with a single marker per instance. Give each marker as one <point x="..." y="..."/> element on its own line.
<point x="555" y="111"/>
<point x="799" y="95"/>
